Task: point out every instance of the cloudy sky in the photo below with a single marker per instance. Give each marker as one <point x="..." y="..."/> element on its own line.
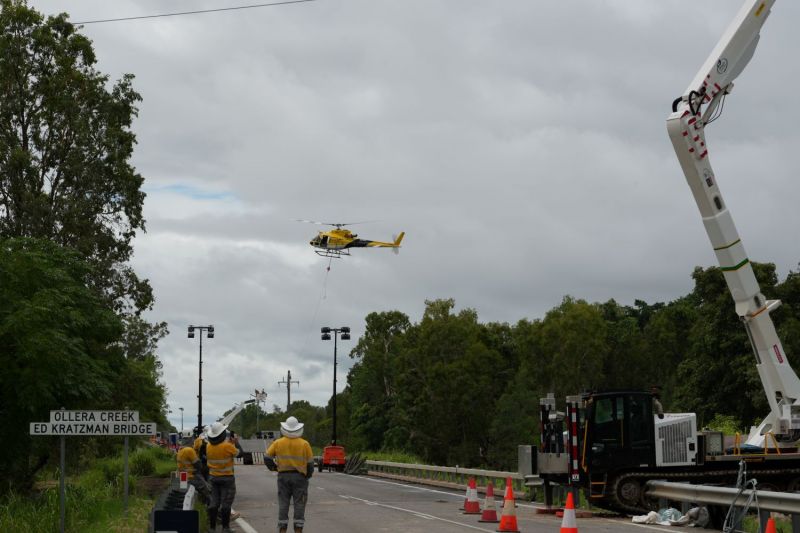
<point x="521" y="145"/>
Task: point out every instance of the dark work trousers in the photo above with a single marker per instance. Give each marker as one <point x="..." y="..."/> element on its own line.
<point x="223" y="491"/>
<point x="292" y="486"/>
<point x="201" y="486"/>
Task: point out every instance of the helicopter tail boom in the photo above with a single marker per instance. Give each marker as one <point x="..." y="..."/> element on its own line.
<point x="381" y="244"/>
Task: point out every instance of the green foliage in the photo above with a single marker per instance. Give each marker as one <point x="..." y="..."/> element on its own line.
<point x="93" y="502"/>
<point x="394" y="456"/>
<point x="142" y="463"/>
<point x="451" y="390"/>
<point x="71" y="333"/>
<point x="112" y="469"/>
<point x="56" y="345"/>
<point x="66" y="143"/>
<point x="371" y="381"/>
<point x="727" y="424"/>
<point x="719" y="352"/>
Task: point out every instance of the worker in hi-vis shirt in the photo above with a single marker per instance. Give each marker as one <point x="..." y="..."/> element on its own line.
<point x="189" y="462"/>
<point x="220" y="453"/>
<point x="291" y="456"/>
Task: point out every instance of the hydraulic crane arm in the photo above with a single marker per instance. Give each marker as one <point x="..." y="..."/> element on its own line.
<point x="227" y="419"/>
<point x="686" y="125"/>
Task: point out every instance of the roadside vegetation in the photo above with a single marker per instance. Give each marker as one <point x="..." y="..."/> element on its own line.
<point x="72" y="332"/>
<point x="94" y="497"/>
<point x="446" y="390"/>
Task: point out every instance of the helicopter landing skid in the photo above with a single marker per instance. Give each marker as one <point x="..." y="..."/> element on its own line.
<point x="336" y="254"/>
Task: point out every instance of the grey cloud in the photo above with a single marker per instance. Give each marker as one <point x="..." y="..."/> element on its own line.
<point x="521" y="145"/>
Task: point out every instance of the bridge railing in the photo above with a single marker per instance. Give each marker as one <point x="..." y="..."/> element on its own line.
<point x="453" y="477"/>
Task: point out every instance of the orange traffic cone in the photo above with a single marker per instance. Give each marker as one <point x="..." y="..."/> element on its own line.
<point x="508" y="520"/>
<point x="569" y="524"/>
<point x="466" y="497"/>
<point x="472" y="506"/>
<point x="489" y="511"/>
<point x="771" y="526"/>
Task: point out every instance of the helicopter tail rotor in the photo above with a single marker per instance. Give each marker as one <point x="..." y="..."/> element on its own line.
<point x="397" y="240"/>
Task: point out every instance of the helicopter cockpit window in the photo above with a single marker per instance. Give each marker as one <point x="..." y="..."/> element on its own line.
<point x="324" y="240"/>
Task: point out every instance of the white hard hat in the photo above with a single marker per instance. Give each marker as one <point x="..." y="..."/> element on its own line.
<point x="216" y="429"/>
<point x="291" y="428"/>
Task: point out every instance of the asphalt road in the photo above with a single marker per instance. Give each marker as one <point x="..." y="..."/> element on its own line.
<point x="339" y="503"/>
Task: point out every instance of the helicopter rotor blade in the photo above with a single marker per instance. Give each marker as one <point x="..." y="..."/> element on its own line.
<point x="314" y="222"/>
<point x="334" y="224"/>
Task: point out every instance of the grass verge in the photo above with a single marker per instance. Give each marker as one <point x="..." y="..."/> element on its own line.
<point x="393" y="457"/>
<point x="94" y="499"/>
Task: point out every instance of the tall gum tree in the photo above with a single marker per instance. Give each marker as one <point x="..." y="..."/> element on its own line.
<point x="66" y="179"/>
<point x="65" y="149"/>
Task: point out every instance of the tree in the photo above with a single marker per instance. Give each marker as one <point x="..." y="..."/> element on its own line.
<point x="720" y="353"/>
<point x="574" y="347"/>
<point x="372" y="380"/>
<point x="446" y="387"/>
<point x="66" y="180"/>
<point x="58" y="347"/>
<point x="65" y="147"/>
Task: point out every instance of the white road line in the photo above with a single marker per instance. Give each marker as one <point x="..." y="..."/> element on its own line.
<point x="459" y="496"/>
<point x="417" y="487"/>
<point x="247" y="528"/>
<point x="416" y="513"/>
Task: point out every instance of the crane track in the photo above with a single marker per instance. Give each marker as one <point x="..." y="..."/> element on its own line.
<point x="614" y="499"/>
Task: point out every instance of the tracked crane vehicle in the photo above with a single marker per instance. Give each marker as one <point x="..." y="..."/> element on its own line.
<point x="615" y="441"/>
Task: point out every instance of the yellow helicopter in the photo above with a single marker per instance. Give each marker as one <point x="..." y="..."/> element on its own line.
<point x="338" y="241"/>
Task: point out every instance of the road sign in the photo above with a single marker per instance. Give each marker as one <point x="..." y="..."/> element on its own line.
<point x="94" y="416"/>
<point x="92" y="428"/>
<point x="71" y="423"/>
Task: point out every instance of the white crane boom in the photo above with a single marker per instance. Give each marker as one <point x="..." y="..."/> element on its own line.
<point x="686" y="126"/>
<point x="227" y="419"/>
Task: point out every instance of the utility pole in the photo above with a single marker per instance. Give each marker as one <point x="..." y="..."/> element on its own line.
<point x="288" y="383"/>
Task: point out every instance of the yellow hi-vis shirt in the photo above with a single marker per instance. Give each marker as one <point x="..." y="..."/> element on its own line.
<point x="220" y="458"/>
<point x="291" y="454"/>
<point x="187" y="457"/>
<point x="198" y="442"/>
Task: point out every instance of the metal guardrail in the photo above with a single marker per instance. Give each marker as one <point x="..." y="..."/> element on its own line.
<point x="780" y="502"/>
<point x="445" y="476"/>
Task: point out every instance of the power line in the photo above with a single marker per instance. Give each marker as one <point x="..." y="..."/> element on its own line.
<point x="194" y="12"/>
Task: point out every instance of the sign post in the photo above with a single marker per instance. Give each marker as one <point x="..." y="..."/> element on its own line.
<point x="62" y="511"/>
<point x="90" y="423"/>
<point x="125" y="499"/>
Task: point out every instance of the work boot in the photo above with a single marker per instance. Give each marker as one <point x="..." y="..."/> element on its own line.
<point x="282" y="530"/>
<point x="298" y="529"/>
